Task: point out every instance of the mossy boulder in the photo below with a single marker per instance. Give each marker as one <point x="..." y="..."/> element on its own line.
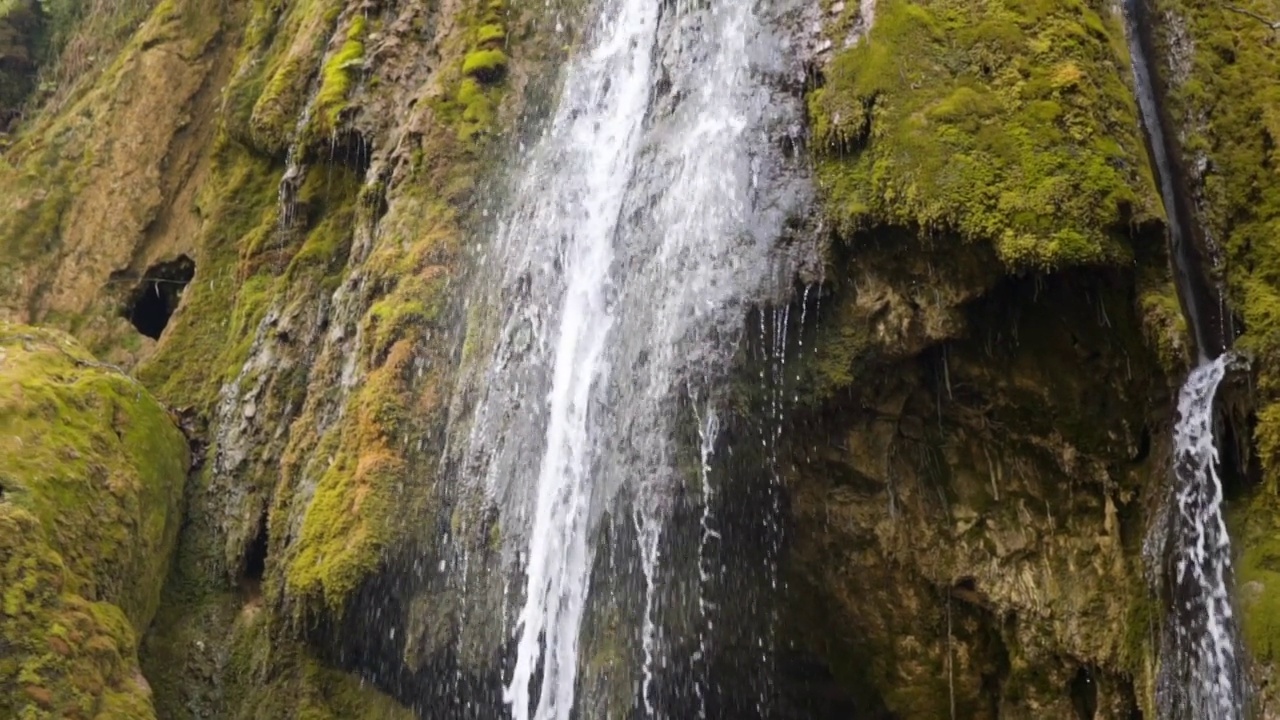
<point x="338" y="77"/>
<point x="1004" y="122"/>
<point x="91" y="478"/>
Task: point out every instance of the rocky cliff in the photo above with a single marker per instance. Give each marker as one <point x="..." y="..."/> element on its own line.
<point x="264" y="212"/>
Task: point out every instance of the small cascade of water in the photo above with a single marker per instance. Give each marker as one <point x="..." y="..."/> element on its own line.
<point x="1201" y="675"/>
<point x="1206" y="682"/>
<point x="294" y="170"/>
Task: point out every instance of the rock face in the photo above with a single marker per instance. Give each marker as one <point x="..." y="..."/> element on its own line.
<point x="92" y="471"/>
<point x="973" y="472"/>
<point x="974" y="456"/>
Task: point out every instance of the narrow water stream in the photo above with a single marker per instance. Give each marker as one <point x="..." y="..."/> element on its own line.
<point x="1201" y="303"/>
<point x="1201" y="675"/>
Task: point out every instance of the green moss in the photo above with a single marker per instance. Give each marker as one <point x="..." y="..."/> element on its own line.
<point x="239" y="204"/>
<point x="473" y="104"/>
<point x="330" y="194"/>
<point x="1164" y="326"/>
<point x="359" y="469"/>
<point x="337" y="77"/>
<point x="97" y="460"/>
<point x="1005" y="122"/>
<point x="477" y="107"/>
<point x="276" y="107"/>
<point x="391" y="319"/>
<point x="92" y="479"/>
<point x="491" y="34"/>
<point x="487" y="66"/>
<point x="1257" y="532"/>
<point x="288" y="64"/>
<point x="361" y="475"/>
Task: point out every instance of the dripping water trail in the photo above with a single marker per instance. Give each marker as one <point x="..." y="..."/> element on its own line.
<point x="773" y="341"/>
<point x="648" y="523"/>
<point x="708" y="432"/>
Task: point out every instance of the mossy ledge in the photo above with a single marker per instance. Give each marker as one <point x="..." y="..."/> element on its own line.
<point x="93" y="470"/>
<point x="1008" y="123"/>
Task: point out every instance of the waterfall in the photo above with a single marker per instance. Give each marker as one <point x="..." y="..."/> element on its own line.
<point x="1203" y="677"/>
<point x="645" y="222"/>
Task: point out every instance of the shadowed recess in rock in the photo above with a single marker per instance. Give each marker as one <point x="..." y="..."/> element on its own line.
<point x="155" y="297"/>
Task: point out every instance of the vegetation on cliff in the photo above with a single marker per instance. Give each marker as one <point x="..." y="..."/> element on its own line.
<point x="271" y="258"/>
<point x="337" y="276"/>
<point x="1228" y="100"/>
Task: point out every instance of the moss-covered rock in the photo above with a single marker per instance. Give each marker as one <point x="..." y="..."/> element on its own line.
<point x="1225" y="92"/>
<point x="280" y="57"/>
<point x="337" y="77"/>
<point x="92" y="471"/>
<point x="954" y="462"/>
<point x="1006" y="122"/>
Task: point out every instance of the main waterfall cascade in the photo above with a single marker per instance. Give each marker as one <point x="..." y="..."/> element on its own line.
<point x="646" y="223"/>
<point x="1201" y="675"/>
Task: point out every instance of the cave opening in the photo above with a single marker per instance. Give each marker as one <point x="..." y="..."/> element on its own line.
<point x="153" y="300"/>
<point x="253" y="565"/>
<point x="1144" y="446"/>
<point x="1084" y="694"/>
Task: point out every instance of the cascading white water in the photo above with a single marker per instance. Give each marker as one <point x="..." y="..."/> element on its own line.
<point x="594" y="137"/>
<point x="646" y="222"/>
<point x="1204" y="637"/>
